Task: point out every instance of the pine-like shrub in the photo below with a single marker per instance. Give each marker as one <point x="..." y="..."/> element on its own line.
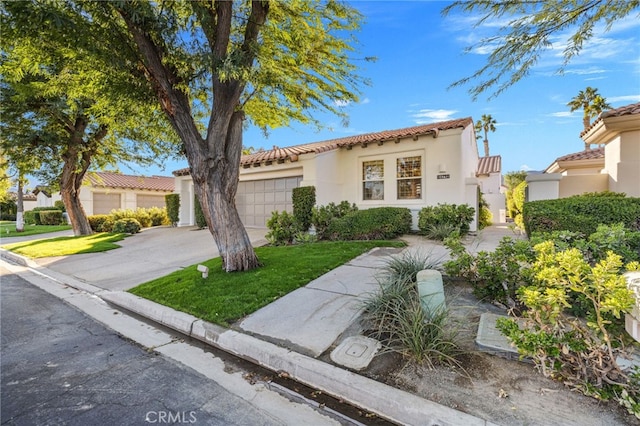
<point x="201" y="221"/>
<point x="172" y="202"/>
<point x="304" y="198"/>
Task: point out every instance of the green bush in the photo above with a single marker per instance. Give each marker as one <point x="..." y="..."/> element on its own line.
<point x="158" y="216"/>
<point x="127" y="225"/>
<point x="323" y="215"/>
<point x="96" y="221"/>
<point x="458" y="216"/>
<point x="283" y="227"/>
<point x="50" y="217"/>
<point x="172" y="202"/>
<point x="581" y="213"/>
<point x="519" y="197"/>
<point x="59" y="204"/>
<point x="304" y="198"/>
<point x="107" y="225"/>
<point x="201" y="221"/>
<point x="484" y="214"/>
<point x="378" y="223"/>
<point x="139" y="214"/>
<point x="29" y="217"/>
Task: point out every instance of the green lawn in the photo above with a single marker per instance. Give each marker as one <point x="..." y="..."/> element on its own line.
<point x="8" y="229"/>
<point x="63" y="246"/>
<point x="223" y="297"/>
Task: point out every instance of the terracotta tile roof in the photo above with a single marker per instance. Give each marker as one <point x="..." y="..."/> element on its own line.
<point x="292" y="152"/>
<point x="487" y="165"/>
<point x="631" y="109"/>
<point x="117" y="180"/>
<point x="589" y="154"/>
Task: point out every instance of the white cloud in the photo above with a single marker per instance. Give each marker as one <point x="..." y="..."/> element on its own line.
<point x="365" y="101"/>
<point x="624" y="98"/>
<point x="526" y="168"/>
<point x="562" y="114"/>
<point x="341" y="103"/>
<point x="425" y="116"/>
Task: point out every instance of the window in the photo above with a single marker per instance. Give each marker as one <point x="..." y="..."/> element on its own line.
<point x="409" y="175"/>
<point x="373" y="180"/>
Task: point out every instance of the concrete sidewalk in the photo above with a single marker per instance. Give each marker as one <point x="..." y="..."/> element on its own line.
<point x="287" y="335"/>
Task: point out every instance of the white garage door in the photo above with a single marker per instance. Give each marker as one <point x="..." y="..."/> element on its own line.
<point x="103" y="203"/>
<point x="256" y="200"/>
<point x="148" y="201"/>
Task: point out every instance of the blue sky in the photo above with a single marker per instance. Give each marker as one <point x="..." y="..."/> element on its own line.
<point x="420" y="53"/>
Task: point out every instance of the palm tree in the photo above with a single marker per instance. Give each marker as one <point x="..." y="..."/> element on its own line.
<point x="591" y="103"/>
<point x="486" y="124"/>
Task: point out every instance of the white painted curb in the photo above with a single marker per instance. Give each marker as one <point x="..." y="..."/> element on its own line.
<point x="386" y="401"/>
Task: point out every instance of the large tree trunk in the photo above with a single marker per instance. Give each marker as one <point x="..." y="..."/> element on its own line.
<point x="77" y="216"/>
<point x="486" y="147"/>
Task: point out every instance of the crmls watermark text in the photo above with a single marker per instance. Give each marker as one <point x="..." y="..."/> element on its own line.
<point x="171" y="417"/>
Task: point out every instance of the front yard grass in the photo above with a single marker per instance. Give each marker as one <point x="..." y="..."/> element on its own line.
<point x="223" y="297"/>
<point x="64" y="246"/>
<point x="8" y="229"/>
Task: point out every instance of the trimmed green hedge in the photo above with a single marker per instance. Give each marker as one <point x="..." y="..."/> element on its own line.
<point x="34" y="217"/>
<point x="379" y="223"/>
<point x="172" y="202"/>
<point x="303" y="198"/>
<point x="581" y="213"/>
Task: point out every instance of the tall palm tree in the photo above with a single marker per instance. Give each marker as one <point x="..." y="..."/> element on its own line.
<point x="592" y="103"/>
<point x="486" y="124"/>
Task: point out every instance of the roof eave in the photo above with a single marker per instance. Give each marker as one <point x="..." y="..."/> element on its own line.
<point x="609" y="127"/>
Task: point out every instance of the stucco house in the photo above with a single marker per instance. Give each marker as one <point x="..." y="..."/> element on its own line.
<point x="102" y="192"/>
<point x="412" y="167"/>
<point x="489" y="175"/>
<point x="613" y="166"/>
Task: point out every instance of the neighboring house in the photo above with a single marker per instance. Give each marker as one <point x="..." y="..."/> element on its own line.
<point x="614" y="166"/>
<point x="489" y="175"/>
<point x="102" y="192"/>
<point x="412" y="167"/>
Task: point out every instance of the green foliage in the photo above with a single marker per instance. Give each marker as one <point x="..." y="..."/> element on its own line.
<point x="529" y="30"/>
<point x="441" y="231"/>
<point x="127" y="225"/>
<point x="592" y="105"/>
<point x="581" y="354"/>
<point x="8" y="209"/>
<point x="458" y="216"/>
<point x="172" y="202"/>
<point x="519" y="196"/>
<point x="59" y="204"/>
<point x="378" y="223"/>
<point x="400" y="322"/>
<point x="283" y="227"/>
<point x="304" y="198"/>
<point x="324" y="215"/>
<point x="581" y="213"/>
<point x="141" y="215"/>
<point x="158" y="216"/>
<point x="497" y="275"/>
<point x="29" y="217"/>
<point x="512" y="180"/>
<point x="34" y="216"/>
<point x="201" y="221"/>
<point x="484" y="213"/>
<point x="50" y="217"/>
<point x="96" y="221"/>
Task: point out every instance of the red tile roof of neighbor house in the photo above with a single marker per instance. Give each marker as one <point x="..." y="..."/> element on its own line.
<point x="117" y="180"/>
<point x="488" y="165"/>
<point x="292" y="152"/>
<point x="589" y="154"/>
<point x="631" y="109"/>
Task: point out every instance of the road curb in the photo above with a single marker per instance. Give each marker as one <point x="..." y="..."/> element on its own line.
<point x="386" y="401"/>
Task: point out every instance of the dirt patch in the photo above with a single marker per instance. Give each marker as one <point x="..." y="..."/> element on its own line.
<point x="503" y="391"/>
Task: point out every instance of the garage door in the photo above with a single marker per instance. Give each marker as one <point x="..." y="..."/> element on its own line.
<point x="148" y="201"/>
<point x="103" y="203"/>
<point x="256" y="200"/>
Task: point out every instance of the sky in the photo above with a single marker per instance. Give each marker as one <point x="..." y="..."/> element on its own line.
<point x="420" y="53"/>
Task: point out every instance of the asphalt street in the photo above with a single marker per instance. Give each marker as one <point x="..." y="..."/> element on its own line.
<point x="60" y="366"/>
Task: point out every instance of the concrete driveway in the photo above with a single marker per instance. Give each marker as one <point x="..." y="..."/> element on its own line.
<point x="153" y="253"/>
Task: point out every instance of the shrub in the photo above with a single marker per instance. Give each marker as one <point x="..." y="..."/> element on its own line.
<point x="50" y="217"/>
<point x="441" y="231"/>
<point x="107" y="225"/>
<point x="139" y="214"/>
<point x="96" y="221"/>
<point x="581" y="213"/>
<point x="59" y="204"/>
<point x="35" y="215"/>
<point x="158" y="216"/>
<point x="29" y="217"/>
<point x="127" y="225"/>
<point x="201" y="221"/>
<point x="372" y="224"/>
<point x="323" y="215"/>
<point x="494" y="276"/>
<point x="581" y="354"/>
<point x="172" y="202"/>
<point x="458" y="216"/>
<point x="519" y="197"/>
<point x="304" y="198"/>
<point x="398" y="320"/>
<point x="283" y="228"/>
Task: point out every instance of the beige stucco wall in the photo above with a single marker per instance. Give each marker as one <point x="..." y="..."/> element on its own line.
<point x="622" y="163"/>
<point x="579" y="184"/>
<point x="128" y="197"/>
<point x="544" y="186"/>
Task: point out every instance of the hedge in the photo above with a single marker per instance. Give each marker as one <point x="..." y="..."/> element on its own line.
<point x="372" y="224"/>
<point x="33" y="217"/>
<point x="172" y="202"/>
<point x="50" y="217"/>
<point x="581" y="213"/>
<point x="303" y="198"/>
